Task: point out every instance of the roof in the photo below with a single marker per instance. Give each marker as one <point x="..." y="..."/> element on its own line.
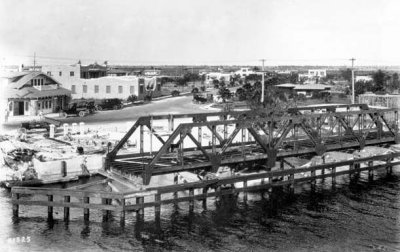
<point x="20" y="80"/>
<point x="312" y="87"/>
<point x="31" y="92"/>
<point x="286" y="85"/>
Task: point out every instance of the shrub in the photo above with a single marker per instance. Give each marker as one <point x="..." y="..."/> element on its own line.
<point x="203" y="88"/>
<point x="195" y="90"/>
<point x="132" y="98"/>
<point x="175" y="93"/>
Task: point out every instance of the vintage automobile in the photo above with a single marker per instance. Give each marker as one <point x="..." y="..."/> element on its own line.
<point x="76" y="109"/>
<point x="109" y="104"/>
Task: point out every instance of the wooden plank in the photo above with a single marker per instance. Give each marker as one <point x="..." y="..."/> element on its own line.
<point x="66" y="192"/>
<point x="88" y="184"/>
<point x="67" y="204"/>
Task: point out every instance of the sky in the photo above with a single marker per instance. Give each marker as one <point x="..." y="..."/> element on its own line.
<point x="188" y="32"/>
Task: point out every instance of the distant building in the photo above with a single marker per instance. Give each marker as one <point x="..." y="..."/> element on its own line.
<point x="312" y="76"/>
<point x="151" y="72"/>
<point x="365" y="78"/>
<point x="321" y="73"/>
<point x="117" y="72"/>
<point x="244" y="71"/>
<point x="93" y="71"/>
<point x="306" y="89"/>
<point x="27" y="93"/>
<point x="217" y="76"/>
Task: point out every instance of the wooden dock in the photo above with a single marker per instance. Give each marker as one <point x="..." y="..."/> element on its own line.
<point x="137" y="200"/>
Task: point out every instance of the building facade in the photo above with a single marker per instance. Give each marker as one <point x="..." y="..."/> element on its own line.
<point x="115" y="87"/>
<point x="28" y="93"/>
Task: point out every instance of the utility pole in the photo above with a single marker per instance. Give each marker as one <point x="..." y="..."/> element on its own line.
<point x="262" y="82"/>
<point x="353" y="96"/>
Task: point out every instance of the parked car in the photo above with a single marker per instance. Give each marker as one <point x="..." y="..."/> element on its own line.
<point x="42" y="124"/>
<point x="76" y="109"/>
<point x="109" y="104"/>
<point x="89" y="104"/>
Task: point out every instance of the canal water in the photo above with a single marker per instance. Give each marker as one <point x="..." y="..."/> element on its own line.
<point x="354" y="216"/>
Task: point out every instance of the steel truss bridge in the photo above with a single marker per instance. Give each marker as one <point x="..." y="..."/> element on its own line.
<point x="206" y="141"/>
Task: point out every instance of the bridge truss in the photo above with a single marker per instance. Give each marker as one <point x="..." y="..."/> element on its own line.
<point x="206" y="141"/>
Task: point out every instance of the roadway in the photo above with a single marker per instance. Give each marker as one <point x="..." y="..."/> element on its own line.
<point x="173" y="105"/>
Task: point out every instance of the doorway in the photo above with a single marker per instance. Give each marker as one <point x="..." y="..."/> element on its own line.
<point x="21" y="108"/>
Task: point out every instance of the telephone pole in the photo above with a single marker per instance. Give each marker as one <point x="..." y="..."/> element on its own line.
<point x="353" y="96"/>
<point x="262" y="81"/>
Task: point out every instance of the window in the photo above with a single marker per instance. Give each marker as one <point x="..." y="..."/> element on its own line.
<point x="96" y="89"/>
<point x="71" y="73"/>
<point x="46" y="103"/>
<point x="73" y="89"/>
<point x="132" y="89"/>
<point x="49" y="104"/>
<point x="120" y="90"/>
<point x="32" y="82"/>
<point x="41" y="82"/>
<point x="60" y="73"/>
<point x="84" y="90"/>
<point x="108" y="89"/>
<point x="49" y="73"/>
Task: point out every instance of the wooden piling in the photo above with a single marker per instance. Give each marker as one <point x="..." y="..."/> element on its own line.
<point x="351" y="170"/>
<point x="245" y="191"/>
<point x="140" y="201"/>
<point x="15" y="196"/>
<point x="67" y="199"/>
<point x="291" y="185"/>
<point x="157" y="207"/>
<point x="334" y="176"/>
<point x="86" y="210"/>
<point x="191" y="201"/>
<point x="50" y="208"/>
<point x="122" y="213"/>
<point x="63" y="168"/>
<point x="313" y="180"/>
<point x="205" y="189"/>
<point x="104" y="201"/>
<point x="370" y="170"/>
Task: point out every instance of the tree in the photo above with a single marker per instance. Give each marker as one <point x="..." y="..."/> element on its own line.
<point x="346" y="74"/>
<point x="225" y="93"/>
<point x="360" y="87"/>
<point x="215" y="83"/>
<point x="394" y="83"/>
<point x="380" y="78"/>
